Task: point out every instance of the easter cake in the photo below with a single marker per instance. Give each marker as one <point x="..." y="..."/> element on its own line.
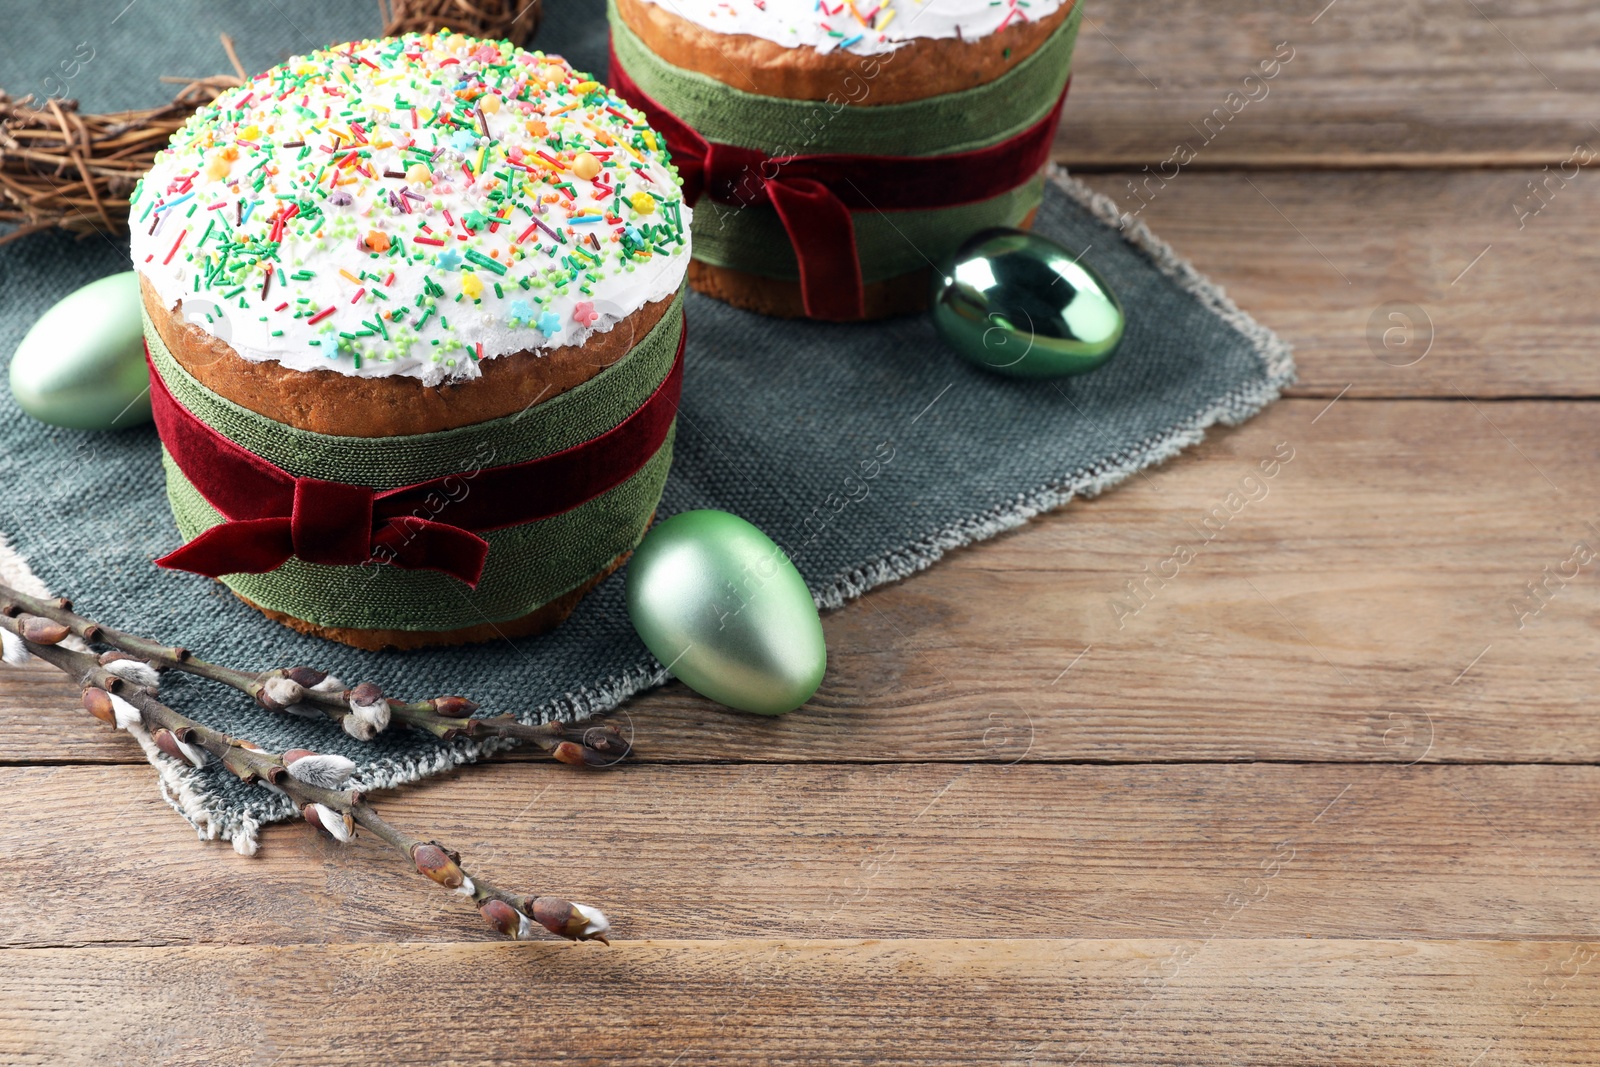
<point x="415" y="323"/>
<point x="838" y="149"/>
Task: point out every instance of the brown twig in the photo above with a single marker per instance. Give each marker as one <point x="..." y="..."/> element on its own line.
<point x="512" y="20"/>
<point x="233" y="57"/>
<point x="62" y="168"/>
<point x="363" y="711"/>
<point x="313" y="782"/>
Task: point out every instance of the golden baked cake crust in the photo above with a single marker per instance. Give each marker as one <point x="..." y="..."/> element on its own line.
<point x="325" y="401"/>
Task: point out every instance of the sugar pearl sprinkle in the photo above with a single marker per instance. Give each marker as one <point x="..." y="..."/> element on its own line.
<point x="411" y="205"/>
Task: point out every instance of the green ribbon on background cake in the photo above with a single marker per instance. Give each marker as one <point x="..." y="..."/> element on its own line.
<point x="526" y="566"/>
<point x="736" y="223"/>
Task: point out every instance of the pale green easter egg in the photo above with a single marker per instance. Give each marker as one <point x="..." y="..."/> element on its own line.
<point x="82" y="364"/>
<point x="721" y="605"/>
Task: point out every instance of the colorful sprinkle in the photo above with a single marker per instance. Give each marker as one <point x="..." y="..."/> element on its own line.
<point x="422" y="170"/>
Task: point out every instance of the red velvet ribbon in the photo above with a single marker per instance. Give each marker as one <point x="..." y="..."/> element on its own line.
<point x="813" y="195"/>
<point x="432" y="525"/>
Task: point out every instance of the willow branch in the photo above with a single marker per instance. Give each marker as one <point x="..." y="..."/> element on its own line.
<point x="314" y="783"/>
<point x="363" y="711"/>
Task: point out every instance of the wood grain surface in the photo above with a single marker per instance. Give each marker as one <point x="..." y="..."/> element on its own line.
<point x="1216" y="768"/>
<point x="1371" y="83"/>
<point x="1368" y="602"/>
<point x="818" y="851"/>
<point x="1151" y="1001"/>
<point x="1494" y="300"/>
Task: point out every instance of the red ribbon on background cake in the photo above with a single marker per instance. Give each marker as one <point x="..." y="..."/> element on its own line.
<point x="273" y="515"/>
<point x="813" y="195"/>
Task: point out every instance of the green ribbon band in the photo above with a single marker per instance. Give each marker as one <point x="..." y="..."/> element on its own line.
<point x="753" y="240"/>
<point x="528" y="565"/>
<point x="939" y="125"/>
<point x="585" y="411"/>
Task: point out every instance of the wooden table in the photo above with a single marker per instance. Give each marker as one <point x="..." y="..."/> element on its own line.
<point x="1327" y="795"/>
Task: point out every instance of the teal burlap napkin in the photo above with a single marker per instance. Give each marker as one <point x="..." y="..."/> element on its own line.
<point x="777" y="419"/>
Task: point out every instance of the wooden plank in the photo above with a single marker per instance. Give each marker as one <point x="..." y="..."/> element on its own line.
<point x="1435" y="82"/>
<point x="912" y="850"/>
<point x="1493" y="298"/>
<point x="1363" y="606"/>
<point x="828" y="1002"/>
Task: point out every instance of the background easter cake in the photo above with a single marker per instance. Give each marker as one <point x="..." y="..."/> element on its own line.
<point x="842" y="149"/>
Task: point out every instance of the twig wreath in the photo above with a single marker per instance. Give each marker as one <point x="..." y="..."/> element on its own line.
<point x="62" y="168"/>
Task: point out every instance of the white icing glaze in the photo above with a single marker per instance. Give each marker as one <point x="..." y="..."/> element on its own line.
<point x="864" y="29"/>
<point x="335" y="287"/>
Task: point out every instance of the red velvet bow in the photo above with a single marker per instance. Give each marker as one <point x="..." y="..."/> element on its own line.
<point x="814" y="195"/>
<point x="432" y="525"/>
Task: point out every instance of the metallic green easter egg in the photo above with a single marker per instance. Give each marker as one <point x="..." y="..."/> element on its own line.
<point x="721" y="605"/>
<point x="1019" y="304"/>
<point x="82" y="364"/>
